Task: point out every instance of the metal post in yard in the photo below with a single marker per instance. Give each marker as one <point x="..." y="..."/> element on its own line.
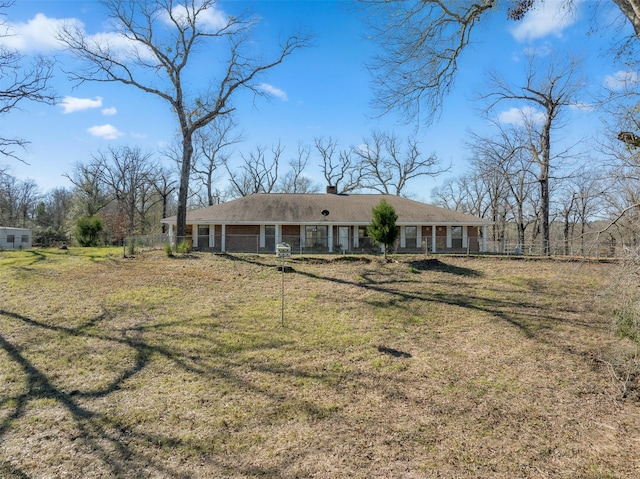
<point x="283" y="250"/>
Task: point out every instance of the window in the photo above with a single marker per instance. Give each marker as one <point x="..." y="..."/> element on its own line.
<point x="11" y="238"/>
<point x="25" y="238"/>
<point x="456" y="237"/>
<point x="203" y="236"/>
<point x="316" y="236"/>
<point x="411" y="236"/>
<point x="270" y="237"/>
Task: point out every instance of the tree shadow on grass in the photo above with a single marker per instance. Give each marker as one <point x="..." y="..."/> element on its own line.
<point x="116" y="445"/>
<point x="434" y="264"/>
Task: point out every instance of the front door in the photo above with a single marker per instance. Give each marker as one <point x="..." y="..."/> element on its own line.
<point x="343" y="238"/>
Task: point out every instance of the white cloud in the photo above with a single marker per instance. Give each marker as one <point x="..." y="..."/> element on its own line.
<point x="210" y="19"/>
<point x="545" y="18"/>
<point x="109" y="111"/>
<point x="37" y="35"/>
<point x="271" y="90"/>
<point x="521" y="116"/>
<point x="71" y="104"/>
<point x="108" y="132"/>
<point x="621" y="79"/>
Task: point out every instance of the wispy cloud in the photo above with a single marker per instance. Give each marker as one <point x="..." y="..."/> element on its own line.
<point x="621" y="79"/>
<point x="271" y="90"/>
<point x="71" y="104"/>
<point x="109" y="111"/>
<point x="521" y="116"/>
<point x="582" y="106"/>
<point x="108" y="132"/>
<point x="545" y="18"/>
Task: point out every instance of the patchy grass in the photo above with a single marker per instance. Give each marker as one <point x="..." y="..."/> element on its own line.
<point x="421" y="367"/>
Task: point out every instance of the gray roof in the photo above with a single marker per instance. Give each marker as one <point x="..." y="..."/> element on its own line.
<point x="286" y="208"/>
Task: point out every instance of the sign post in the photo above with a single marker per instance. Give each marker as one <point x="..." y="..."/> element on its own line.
<point x="283" y="250"/>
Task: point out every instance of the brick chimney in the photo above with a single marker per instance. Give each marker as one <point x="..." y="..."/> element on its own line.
<point x="332" y="190"/>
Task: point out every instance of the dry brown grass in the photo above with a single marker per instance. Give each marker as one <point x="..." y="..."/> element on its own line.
<point x="448" y="367"/>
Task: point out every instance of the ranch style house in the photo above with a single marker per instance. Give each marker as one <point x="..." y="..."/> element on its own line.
<point x="326" y="223"/>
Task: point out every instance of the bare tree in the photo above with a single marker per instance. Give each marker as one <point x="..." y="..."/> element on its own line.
<point x="341" y="171"/>
<point x="546" y="93"/>
<point x="129" y="174"/>
<point x="294" y="180"/>
<point x="506" y="156"/>
<point x="20" y="81"/>
<point x="419" y="51"/>
<point x="163" y="37"/>
<point x="257" y="173"/>
<point x="18" y="200"/>
<point x="387" y="166"/>
<point x="90" y="190"/>
<point x="165" y="185"/>
<point x="422" y="42"/>
<point x="211" y="152"/>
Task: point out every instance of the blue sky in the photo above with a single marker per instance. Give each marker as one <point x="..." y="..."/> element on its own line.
<point x="323" y="91"/>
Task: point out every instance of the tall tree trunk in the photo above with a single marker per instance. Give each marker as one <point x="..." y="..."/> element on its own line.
<point x="183" y="192"/>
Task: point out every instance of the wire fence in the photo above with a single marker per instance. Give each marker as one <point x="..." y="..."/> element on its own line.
<point x="251" y="243"/>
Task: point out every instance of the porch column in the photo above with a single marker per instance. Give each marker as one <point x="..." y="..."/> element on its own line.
<point x="449" y="237"/>
<point x="194" y="235"/>
<point x="403" y="237"/>
<point x="433" y="238"/>
<point x="356" y="238"/>
<point x="330" y="238"/>
<point x="171" y="232"/>
<point x="303" y="238"/>
<point x="223" y="239"/>
<point x="484" y="239"/>
<point x="278" y="238"/>
<point x="419" y="237"/>
<point x="212" y="236"/>
<point x="465" y="236"/>
<point x="262" y="242"/>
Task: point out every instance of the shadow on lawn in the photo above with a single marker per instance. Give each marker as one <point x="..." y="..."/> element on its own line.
<point x="124" y="450"/>
<point x="116" y="444"/>
<point x="434" y="264"/>
<point x="527" y="316"/>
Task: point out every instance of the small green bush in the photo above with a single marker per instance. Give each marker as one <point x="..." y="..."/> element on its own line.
<point x="88" y="229"/>
<point x="183" y="247"/>
<point x="168" y="249"/>
<point x="131" y="247"/>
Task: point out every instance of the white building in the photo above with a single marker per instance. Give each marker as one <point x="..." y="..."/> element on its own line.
<point x="15" y="238"/>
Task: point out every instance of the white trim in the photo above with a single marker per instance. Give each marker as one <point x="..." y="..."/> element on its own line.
<point x="262" y="236"/>
<point x="483" y="248"/>
<point x="330" y="237"/>
<point x="223" y="238"/>
<point x="433" y="238"/>
<point x="465" y="236"/>
<point x="403" y="237"/>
